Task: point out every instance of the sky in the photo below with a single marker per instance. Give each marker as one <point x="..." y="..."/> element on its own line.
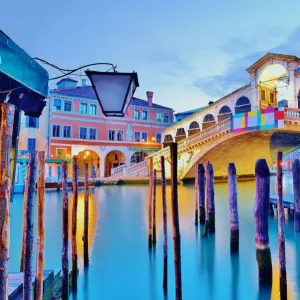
<point x="186" y="52"/>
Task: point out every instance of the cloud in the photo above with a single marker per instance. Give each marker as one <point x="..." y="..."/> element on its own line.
<point x="242" y="57"/>
<point x="168" y="63"/>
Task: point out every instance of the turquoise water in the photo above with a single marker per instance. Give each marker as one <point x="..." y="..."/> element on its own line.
<point x="121" y="266"/>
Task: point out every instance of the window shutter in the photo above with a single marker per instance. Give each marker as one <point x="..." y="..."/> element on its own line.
<point x="37" y="122"/>
<point x="26" y="121"/>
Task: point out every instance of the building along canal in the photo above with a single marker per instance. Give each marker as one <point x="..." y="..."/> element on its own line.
<point x="121" y="267"/>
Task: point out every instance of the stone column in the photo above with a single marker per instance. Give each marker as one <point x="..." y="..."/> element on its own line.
<point x="254" y="92"/>
<point x="291" y="93"/>
<point x="102" y="162"/>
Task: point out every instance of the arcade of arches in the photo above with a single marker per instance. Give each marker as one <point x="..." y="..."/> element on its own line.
<point x="138" y="157"/>
<point x="92" y="159"/>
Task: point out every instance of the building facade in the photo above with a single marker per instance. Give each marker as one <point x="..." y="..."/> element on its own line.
<point x="73" y="124"/>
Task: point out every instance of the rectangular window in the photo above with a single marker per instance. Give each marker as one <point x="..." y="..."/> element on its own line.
<point x="56" y="130"/>
<point x="57" y="104"/>
<point x="272" y="98"/>
<point x="263" y="95"/>
<point x="158" y="137"/>
<point x="68" y="105"/>
<point x="137" y="136"/>
<point x="93" y="133"/>
<point x="50" y="171"/>
<point x="67" y="132"/>
<point x="31" y="144"/>
<point x="32" y="122"/>
<point x="144" y="136"/>
<point x="83" y="133"/>
<point x="120" y="135"/>
<point x="93" y="109"/>
<point x="111" y="135"/>
<point x="145" y="115"/>
<point x="83" y="108"/>
<point x="158" y="117"/>
<point x="137" y="114"/>
<point x="166" y="118"/>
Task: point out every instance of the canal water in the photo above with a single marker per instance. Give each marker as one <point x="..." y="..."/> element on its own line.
<point x="121" y="266"/>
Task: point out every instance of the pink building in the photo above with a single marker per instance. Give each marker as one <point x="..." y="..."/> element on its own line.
<point x="76" y="126"/>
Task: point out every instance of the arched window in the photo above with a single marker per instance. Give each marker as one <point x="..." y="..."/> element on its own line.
<point x="209" y="118"/>
<point x="284" y="103"/>
<point x="224" y="110"/>
<point x="243" y="105"/>
<point x="194" y="125"/>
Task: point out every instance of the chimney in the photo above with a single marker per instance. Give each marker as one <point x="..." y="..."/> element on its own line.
<point x="83" y="82"/>
<point x="150" y="98"/>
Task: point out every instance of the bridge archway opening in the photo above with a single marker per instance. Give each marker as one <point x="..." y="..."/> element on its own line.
<point x="208" y="121"/>
<point x="180" y="134"/>
<point x="224" y="113"/>
<point x="138" y="157"/>
<point x="272" y="85"/>
<point x="113" y="159"/>
<point x="194" y="128"/>
<point x="242" y="105"/>
<point x="91" y="158"/>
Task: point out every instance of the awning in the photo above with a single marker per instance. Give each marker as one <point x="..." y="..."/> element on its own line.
<point x="143" y="149"/>
<point x="23" y="80"/>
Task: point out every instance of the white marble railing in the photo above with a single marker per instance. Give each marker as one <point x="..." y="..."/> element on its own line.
<point x="118" y="169"/>
<point x="292" y="113"/>
<point x="136" y="168"/>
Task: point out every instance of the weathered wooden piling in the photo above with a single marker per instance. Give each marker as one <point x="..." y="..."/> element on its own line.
<point x="74" y="222"/>
<point x="296" y="185"/>
<point x="7" y="119"/>
<point x="196" y="195"/>
<point x="201" y="192"/>
<point x="150" y="225"/>
<point x="209" y="201"/>
<point x="24" y="219"/>
<point x="65" y="232"/>
<point x="281" y="238"/>
<point x="27" y="286"/>
<point x="40" y="227"/>
<point x="165" y="222"/>
<point x="233" y="208"/>
<point x="154" y="206"/>
<point x="262" y="198"/>
<point x="175" y="220"/>
<point x="86" y="217"/>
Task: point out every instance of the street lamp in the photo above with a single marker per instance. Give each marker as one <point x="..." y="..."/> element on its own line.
<point x="113" y="91"/>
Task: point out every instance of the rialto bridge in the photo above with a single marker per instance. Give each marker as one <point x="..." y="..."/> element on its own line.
<point x="224" y="131"/>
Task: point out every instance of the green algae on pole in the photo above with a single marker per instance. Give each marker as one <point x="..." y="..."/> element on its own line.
<point x="175" y="221"/>
<point x="233" y="208"/>
<point x="150" y="227"/>
<point x="154" y="206"/>
<point x="74" y="222"/>
<point x="40" y="227"/>
<point x="281" y="238"/>
<point x="27" y="286"/>
<point x="86" y="217"/>
<point x="209" y="201"/>
<point x="196" y="195"/>
<point x="201" y="192"/>
<point x="165" y="222"/>
<point x="65" y="232"/>
<point x="296" y="185"/>
<point x="262" y="198"/>
<point x="7" y="120"/>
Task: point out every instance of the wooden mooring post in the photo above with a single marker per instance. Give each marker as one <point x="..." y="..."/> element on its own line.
<point x="86" y="216"/>
<point x="233" y="208"/>
<point x="196" y="195"/>
<point x="65" y="232"/>
<point x="7" y="119"/>
<point x="201" y="192"/>
<point x="296" y="185"/>
<point x="150" y="225"/>
<point x="262" y="198"/>
<point x="281" y="238"/>
<point x="154" y="206"/>
<point x="74" y="222"/>
<point x="165" y="222"/>
<point x="175" y="220"/>
<point x="209" y="201"/>
<point x="27" y="285"/>
<point x="40" y="227"/>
